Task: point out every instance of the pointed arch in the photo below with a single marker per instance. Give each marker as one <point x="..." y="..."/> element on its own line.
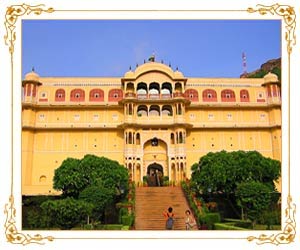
<point x="96" y="95"/>
<point x="244" y="96"/>
<point x="209" y="95"/>
<point x="60" y="95"/>
<point x="192" y="95"/>
<point x="115" y="95"/>
<point x="77" y="95"/>
<point x="227" y="95"/>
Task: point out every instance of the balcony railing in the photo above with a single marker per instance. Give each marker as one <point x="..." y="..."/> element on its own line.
<point x="158" y="96"/>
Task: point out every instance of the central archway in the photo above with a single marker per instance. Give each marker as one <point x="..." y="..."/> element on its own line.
<point x="155" y="173"/>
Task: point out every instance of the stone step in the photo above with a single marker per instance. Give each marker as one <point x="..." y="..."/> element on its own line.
<point x="151" y="202"/>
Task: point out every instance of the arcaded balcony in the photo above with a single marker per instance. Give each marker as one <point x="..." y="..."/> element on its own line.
<point x="157" y="96"/>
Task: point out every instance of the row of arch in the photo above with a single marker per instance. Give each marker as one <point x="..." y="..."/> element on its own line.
<point x="154" y="88"/>
<point x="95" y="95"/>
<point x="154" y="110"/>
<point x="177" y="171"/>
<point x="210" y="95"/>
<point x="117" y="94"/>
<point x="135" y="138"/>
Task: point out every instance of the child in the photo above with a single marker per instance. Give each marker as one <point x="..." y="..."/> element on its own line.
<point x="169" y="215"/>
<point x="189" y="221"/>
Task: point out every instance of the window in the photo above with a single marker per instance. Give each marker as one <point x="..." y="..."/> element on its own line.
<point x="192" y="95"/>
<point x="227" y="95"/>
<point x="115" y="117"/>
<point x="244" y="95"/>
<point x="192" y="116"/>
<point x="115" y="95"/>
<point x="96" y="95"/>
<point x="42" y="179"/>
<point x="77" y="95"/>
<point x="172" y="138"/>
<point x="209" y="95"/>
<point x="76" y="117"/>
<point x="262" y="117"/>
<point x="60" y="95"/>
<point x="138" y="139"/>
<point x="96" y="117"/>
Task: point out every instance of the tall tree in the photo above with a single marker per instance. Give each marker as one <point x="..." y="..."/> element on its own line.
<point x="223" y="171"/>
<point x="253" y="198"/>
<point x="93" y="181"/>
<point x="68" y="178"/>
<point x="74" y="175"/>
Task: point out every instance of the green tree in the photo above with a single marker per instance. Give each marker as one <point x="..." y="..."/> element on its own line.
<point x="74" y="175"/>
<point x="94" y="180"/>
<point x="260" y="74"/>
<point x="68" y="212"/>
<point x="223" y="171"/>
<point x="254" y="198"/>
<point x="100" y="197"/>
<point x="110" y="173"/>
<point x="68" y="178"/>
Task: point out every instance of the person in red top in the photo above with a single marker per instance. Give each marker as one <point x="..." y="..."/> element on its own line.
<point x="169" y="216"/>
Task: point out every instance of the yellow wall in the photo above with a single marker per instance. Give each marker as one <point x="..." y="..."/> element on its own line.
<point x="53" y="131"/>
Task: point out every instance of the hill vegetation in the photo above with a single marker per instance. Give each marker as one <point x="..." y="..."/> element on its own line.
<point x="273" y="66"/>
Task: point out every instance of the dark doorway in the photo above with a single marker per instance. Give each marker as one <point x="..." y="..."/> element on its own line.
<point x="155" y="175"/>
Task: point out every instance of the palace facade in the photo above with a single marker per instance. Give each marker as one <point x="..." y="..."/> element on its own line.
<point x="151" y="119"/>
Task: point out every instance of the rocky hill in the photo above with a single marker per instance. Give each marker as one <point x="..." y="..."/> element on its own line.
<point x="273" y="65"/>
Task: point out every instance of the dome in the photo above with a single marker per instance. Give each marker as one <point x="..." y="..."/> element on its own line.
<point x="270" y="77"/>
<point x="129" y="74"/>
<point x="32" y="76"/>
<point x="178" y="74"/>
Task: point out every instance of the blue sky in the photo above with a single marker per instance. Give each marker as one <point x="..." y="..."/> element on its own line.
<point x="199" y="48"/>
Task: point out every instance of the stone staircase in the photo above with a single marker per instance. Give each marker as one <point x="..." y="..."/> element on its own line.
<point x="151" y="202"/>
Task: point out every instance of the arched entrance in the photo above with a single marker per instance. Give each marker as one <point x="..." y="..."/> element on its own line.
<point x="155" y="173"/>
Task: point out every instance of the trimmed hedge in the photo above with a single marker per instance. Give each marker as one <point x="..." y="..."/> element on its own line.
<point x="239" y="223"/>
<point x="222" y="226"/>
<point x="113" y="227"/>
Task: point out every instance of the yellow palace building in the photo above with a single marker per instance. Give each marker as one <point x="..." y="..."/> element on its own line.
<point x="151" y="119"/>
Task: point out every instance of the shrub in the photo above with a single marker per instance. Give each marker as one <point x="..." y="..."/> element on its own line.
<point x="270" y="218"/>
<point x="210" y="219"/>
<point x="88" y="227"/>
<point x="127" y="220"/>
